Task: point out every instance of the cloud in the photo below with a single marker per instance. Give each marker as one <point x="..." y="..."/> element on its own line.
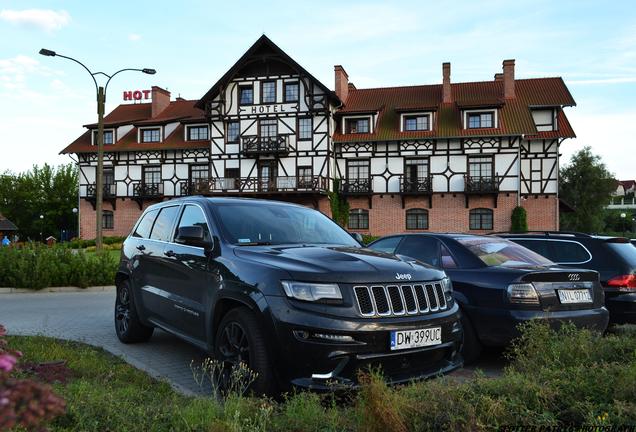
<point x="134" y="37"/>
<point x="42" y="19"/>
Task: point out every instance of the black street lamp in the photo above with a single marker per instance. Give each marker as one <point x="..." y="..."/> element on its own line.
<point x="101" y="101"/>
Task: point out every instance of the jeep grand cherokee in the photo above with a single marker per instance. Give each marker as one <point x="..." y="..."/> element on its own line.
<point x="286" y="291"/>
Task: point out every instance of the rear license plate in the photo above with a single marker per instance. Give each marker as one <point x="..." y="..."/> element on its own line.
<point x="403" y="339"/>
<point x="575" y="296"/>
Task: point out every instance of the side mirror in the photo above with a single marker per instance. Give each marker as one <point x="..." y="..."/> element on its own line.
<point x="358" y="238"/>
<point x="193" y="236"/>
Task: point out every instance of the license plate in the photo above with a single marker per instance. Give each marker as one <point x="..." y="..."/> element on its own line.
<point x="403" y="339"/>
<point x="575" y="296"/>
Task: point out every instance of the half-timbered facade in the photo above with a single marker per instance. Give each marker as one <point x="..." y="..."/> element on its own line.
<point x="443" y="157"/>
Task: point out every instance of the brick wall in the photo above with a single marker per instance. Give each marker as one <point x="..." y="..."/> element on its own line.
<point x="543" y="212"/>
<point x="125" y="217"/>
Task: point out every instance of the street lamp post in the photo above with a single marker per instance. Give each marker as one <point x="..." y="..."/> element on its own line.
<point x="623" y="216"/>
<point x="101" y="101"/>
<point x="41" y="227"/>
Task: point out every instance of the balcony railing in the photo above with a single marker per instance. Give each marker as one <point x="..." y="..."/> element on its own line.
<point x="479" y="185"/>
<point x="147" y="190"/>
<point x="255" y="145"/>
<point x="355" y="186"/>
<point x="109" y="190"/>
<point x="254" y="185"/>
<point x="416" y="185"/>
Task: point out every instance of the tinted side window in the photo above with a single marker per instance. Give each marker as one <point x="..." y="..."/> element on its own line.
<point x="145" y="224"/>
<point x="448" y="261"/>
<point x="193" y="216"/>
<point x="425" y="249"/>
<point x="387" y="245"/>
<point x="569" y="252"/>
<point x="163" y="224"/>
<point x="542" y="247"/>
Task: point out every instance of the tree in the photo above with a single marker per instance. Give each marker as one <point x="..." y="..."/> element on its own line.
<point x="47" y="191"/>
<point x="519" y="220"/>
<point x="585" y="184"/>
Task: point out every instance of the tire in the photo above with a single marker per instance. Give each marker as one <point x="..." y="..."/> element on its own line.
<point x="127" y="325"/>
<point x="239" y="338"/>
<point x="471" y="348"/>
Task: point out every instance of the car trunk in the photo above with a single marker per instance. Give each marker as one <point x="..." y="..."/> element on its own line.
<point x="566" y="289"/>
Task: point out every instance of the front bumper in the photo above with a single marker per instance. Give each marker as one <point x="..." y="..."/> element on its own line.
<point x="622" y="307"/>
<point x="498" y="327"/>
<point x="306" y="361"/>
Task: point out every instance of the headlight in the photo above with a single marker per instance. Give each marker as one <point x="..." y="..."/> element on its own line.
<point x="447" y="286"/>
<point x="311" y="291"/>
<point x="523" y="294"/>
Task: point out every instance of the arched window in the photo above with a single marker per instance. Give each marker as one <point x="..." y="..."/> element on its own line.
<point x="416" y="219"/>
<point x="480" y="219"/>
<point x="108" y="220"/>
<point x="359" y="219"/>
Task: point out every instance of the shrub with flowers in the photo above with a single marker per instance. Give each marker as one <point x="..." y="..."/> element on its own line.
<point x="24" y="402"/>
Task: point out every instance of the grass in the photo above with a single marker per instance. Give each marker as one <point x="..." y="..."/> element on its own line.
<point x="554" y="379"/>
<point x="113" y="254"/>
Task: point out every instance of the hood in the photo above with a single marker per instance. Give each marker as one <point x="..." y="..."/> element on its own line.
<point x="339" y="264"/>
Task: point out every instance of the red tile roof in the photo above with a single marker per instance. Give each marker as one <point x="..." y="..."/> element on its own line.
<point x="515" y="117"/>
<point x="182" y="111"/>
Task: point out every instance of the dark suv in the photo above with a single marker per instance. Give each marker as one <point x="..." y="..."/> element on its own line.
<point x="613" y="257"/>
<point x="286" y="291"/>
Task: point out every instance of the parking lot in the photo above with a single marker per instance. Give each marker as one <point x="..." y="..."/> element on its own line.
<point x="88" y="317"/>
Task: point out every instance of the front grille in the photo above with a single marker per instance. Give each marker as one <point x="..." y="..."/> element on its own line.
<point x="396" y="300"/>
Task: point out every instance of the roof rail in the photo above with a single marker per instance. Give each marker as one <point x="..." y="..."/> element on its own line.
<point x="548" y="233"/>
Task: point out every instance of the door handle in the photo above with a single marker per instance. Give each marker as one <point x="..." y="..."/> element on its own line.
<point x="141" y="248"/>
<point x="169" y="253"/>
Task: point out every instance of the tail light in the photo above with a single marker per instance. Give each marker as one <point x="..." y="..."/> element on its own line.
<point x="623" y="282"/>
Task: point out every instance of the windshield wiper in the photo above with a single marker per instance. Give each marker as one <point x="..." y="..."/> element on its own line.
<point x="255" y="243"/>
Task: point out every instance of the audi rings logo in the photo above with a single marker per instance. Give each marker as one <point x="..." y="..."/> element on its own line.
<point x="574" y="277"/>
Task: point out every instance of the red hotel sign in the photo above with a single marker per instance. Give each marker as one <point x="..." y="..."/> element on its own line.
<point x="136" y="95"/>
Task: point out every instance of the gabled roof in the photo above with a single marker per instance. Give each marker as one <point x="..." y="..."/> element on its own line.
<point x="6" y="224"/>
<point x="515" y="117"/>
<point x="139" y="115"/>
<point x="263" y="48"/>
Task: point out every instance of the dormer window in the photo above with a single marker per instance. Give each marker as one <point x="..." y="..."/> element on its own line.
<point x="357" y="125"/>
<point x="291" y="92"/>
<point x="480" y="119"/>
<point x="109" y="137"/>
<point x="197" y="133"/>
<point x="416" y="122"/>
<point x="544" y="119"/>
<point x="151" y="135"/>
<point x="246" y="95"/>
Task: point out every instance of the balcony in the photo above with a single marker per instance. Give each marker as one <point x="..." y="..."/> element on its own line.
<point x="416" y="185"/>
<point x="356" y="187"/>
<point x="143" y="191"/>
<point x="254" y="185"/>
<point x="255" y="145"/>
<point x="109" y="190"/>
<point x="481" y="186"/>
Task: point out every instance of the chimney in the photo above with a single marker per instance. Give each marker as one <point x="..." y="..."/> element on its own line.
<point x="447" y="95"/>
<point x="509" y="79"/>
<point x="160" y="100"/>
<point x="498" y="77"/>
<point x="342" y="83"/>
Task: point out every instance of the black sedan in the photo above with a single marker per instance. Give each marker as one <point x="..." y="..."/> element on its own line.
<point x="500" y="284"/>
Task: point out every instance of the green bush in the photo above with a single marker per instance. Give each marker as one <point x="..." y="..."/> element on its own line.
<point x="77" y="243"/>
<point x="37" y="266"/>
<point x="367" y="238"/>
<point x="519" y="220"/>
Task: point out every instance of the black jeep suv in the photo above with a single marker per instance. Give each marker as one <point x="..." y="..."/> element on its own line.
<point x="613" y="257"/>
<point x="286" y="291"/>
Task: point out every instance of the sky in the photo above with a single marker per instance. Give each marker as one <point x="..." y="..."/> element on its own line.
<point x="44" y="101"/>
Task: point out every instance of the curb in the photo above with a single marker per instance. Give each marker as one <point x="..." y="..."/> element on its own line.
<point x="66" y="289"/>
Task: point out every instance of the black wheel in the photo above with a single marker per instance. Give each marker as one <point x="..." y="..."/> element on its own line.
<point x="127" y="325"/>
<point x="240" y="339"/>
<point x="471" y="348"/>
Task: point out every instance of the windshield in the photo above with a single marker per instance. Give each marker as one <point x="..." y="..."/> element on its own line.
<point x="495" y="251"/>
<point x="263" y="223"/>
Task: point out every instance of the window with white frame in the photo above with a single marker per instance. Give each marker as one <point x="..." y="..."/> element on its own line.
<point x="109" y="137"/>
<point x="246" y="94"/>
<point x="544" y="119"/>
<point x="233" y="132"/>
<point x="197" y="133"/>
<point x="480" y="119"/>
<point x="416" y="122"/>
<point x="357" y="125"/>
<point x="268" y="92"/>
<point x="304" y="128"/>
<point x="291" y="92"/>
<point x="150" y="135"/>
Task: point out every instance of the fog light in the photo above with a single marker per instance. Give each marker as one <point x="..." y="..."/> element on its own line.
<point x="333" y="337"/>
<point x="456" y="327"/>
<point x="301" y="334"/>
